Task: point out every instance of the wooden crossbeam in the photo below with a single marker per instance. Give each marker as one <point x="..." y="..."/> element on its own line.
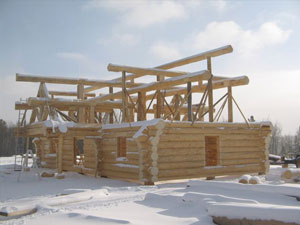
<point x="192" y="77"/>
<point x="144" y="71"/>
<point x="217" y="84"/>
<point x="71" y="81"/>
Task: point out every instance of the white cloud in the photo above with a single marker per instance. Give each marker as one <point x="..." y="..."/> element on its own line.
<point x="164" y="52"/>
<point x="124" y="39"/>
<point x="72" y="56"/>
<point x="245" y="42"/>
<point x="142" y="13"/>
<point x="219" y="5"/>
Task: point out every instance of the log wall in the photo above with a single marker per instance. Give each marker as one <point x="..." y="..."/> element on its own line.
<point x="182" y="154"/>
<point x="112" y="166"/>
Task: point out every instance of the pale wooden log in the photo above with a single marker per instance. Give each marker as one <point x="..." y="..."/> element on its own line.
<point x="181" y="151"/>
<point x="81" y="110"/>
<point x="144" y="71"/>
<point x="187" y="144"/>
<point x="69" y="93"/>
<point x="180" y="165"/>
<point x="176" y="106"/>
<point x="141" y="104"/>
<point x="290" y="173"/>
<point x="204" y="172"/>
<point x="229" y="162"/>
<point x="230" y="108"/>
<point x="33" y="102"/>
<point x="92" y="114"/>
<point x="216" y="125"/>
<point x="189" y="101"/>
<point x="71" y="81"/>
<point x="242" y="143"/>
<point x="181" y="158"/>
<point x="198" y="57"/>
<point x="201" y="75"/>
<point x="124" y="98"/>
<point x="218" y="84"/>
<point x="241" y="155"/>
<point x="116" y="168"/>
<point x="210" y="92"/>
<point x="181" y="138"/>
<point x="111" y="115"/>
<point x="118" y="175"/>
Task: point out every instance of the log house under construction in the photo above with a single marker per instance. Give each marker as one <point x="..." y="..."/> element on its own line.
<point x="145" y="132"/>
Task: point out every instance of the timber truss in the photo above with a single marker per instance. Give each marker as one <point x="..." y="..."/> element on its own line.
<point x="169" y="97"/>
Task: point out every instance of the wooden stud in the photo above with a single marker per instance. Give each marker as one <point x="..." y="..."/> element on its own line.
<point x="60" y="153"/>
<point x="111" y="115"/>
<point x="210" y="92"/>
<point x="124" y="97"/>
<point x="189" y="101"/>
<point x="141" y="104"/>
<point x="230" y="109"/>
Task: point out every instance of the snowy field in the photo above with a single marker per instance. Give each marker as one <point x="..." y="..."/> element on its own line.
<point x="79" y="199"/>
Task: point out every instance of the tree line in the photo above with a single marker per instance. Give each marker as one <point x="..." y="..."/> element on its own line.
<point x="7" y="139"/>
<point x="284" y="145"/>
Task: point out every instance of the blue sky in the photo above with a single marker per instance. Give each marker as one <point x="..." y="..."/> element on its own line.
<point x="79" y="38"/>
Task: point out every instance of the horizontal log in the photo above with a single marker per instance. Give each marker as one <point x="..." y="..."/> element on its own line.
<point x="144" y="71"/>
<point x="180" y="158"/>
<point x="36" y="101"/>
<point x="191" y="77"/>
<point x="234" y="149"/>
<point x="231" y="162"/>
<point x="180" y="151"/>
<point x="218" y="84"/>
<point x="242" y="155"/>
<point x="242" y="143"/>
<point x="114" y="167"/>
<point x="60" y="80"/>
<point x="118" y="175"/>
<point x="183" y="145"/>
<point x="198" y="57"/>
<point x="206" y="172"/>
<point x="180" y="165"/>
<point x="181" y="137"/>
<point x="70" y="93"/>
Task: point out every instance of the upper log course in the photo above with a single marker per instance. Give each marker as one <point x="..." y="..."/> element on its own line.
<point x="69" y="93"/>
<point x="217" y="84"/>
<point x="59" y="102"/>
<point x="72" y="81"/>
<point x="184" y="61"/>
<point x="192" y="77"/>
<point x="144" y="71"/>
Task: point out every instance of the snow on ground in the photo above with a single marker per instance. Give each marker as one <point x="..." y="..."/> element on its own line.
<point x="79" y="199"/>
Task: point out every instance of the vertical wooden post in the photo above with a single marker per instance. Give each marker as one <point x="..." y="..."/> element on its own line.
<point x="141" y="104"/>
<point x="230" y="110"/>
<point x="92" y="114"/>
<point x="124" y="98"/>
<point x="176" y="106"/>
<point x="159" y="100"/>
<point x="210" y="92"/>
<point x="81" y="111"/>
<point x="111" y="115"/>
<point x="189" y="88"/>
<point x="60" y="153"/>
